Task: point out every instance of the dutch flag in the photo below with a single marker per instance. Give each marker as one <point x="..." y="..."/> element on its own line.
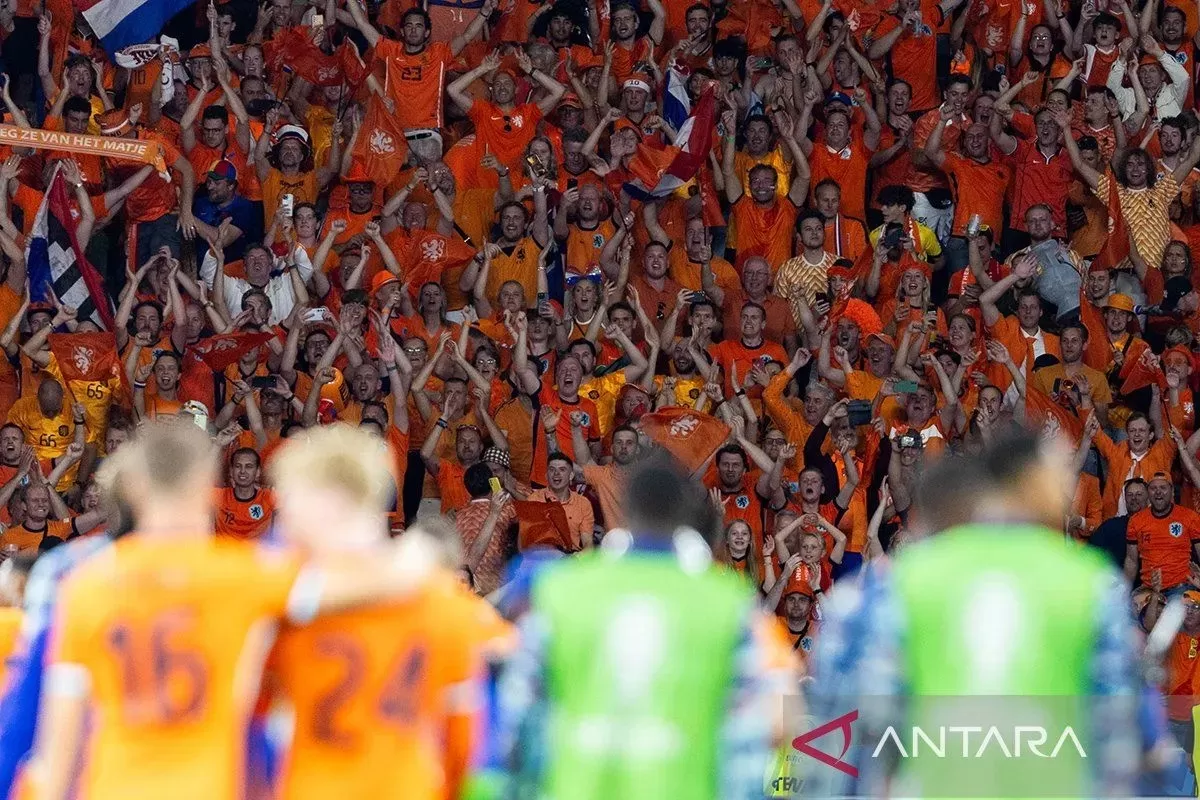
<point x="120" y="23"/>
<point x="657" y="172"/>
<point x="56" y="260"/>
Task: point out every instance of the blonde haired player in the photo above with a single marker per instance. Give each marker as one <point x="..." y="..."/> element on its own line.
<point x="163" y="634"/>
<point x="382" y="698"/>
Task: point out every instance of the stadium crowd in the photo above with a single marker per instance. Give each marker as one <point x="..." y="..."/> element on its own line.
<point x="815" y="250"/>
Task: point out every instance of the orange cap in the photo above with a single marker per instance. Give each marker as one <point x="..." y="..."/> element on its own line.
<point x="200" y="51"/>
<point x="1178" y="352"/>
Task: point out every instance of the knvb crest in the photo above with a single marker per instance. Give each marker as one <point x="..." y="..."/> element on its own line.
<point x="382" y="143"/>
<point x="684" y="427"/>
<point x="83" y="358"/>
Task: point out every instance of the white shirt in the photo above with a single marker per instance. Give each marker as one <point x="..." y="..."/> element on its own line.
<point x="278" y="289"/>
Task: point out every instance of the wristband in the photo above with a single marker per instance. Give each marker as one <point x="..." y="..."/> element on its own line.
<point x="740" y="393"/>
<point x="139" y="385"/>
<point x="503" y="174"/>
<point x="441" y="423"/>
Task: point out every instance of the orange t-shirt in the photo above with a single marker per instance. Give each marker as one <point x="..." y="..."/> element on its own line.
<point x="591" y="430"/>
<point x="519" y="264"/>
<point x="415" y="82"/>
<point x="978" y="189"/>
<point x="506" y="134"/>
<point x="383" y="697"/>
<point x="848" y="168"/>
<point x="1164" y="543"/>
<point x="168" y="631"/>
<point x="765" y="232"/>
<point x="244" y="519"/>
<point x="27" y="539"/>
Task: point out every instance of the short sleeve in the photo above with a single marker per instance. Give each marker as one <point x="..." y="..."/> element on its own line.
<point x="1132" y="530"/>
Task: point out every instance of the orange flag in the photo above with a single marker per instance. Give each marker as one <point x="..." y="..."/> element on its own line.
<point x="86" y="356"/>
<point x="688" y="435"/>
<point x="380" y="148"/>
<point x="1116" y="246"/>
<point x="1097" y="353"/>
<point x="543" y="525"/>
<point x="218" y="352"/>
<point x="1143" y="372"/>
<point x="1048" y="416"/>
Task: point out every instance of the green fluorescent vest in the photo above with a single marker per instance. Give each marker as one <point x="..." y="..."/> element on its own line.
<point x="639" y="663"/>
<point x="1005" y="618"/>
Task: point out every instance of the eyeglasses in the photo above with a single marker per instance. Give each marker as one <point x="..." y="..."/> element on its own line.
<point x="486" y="362"/>
<point x="412" y="351"/>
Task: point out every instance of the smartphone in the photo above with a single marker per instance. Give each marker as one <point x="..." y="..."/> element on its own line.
<point x="262" y="382"/>
<point x="318" y="20"/>
<point x="314" y="315"/>
<point x="495" y="484"/>
<point x="572" y="183"/>
<point x="858" y="412"/>
<point x="891" y="235"/>
<point x="287" y="203"/>
<point x="697" y="297"/>
<point x="535" y="165"/>
<point x="905" y="387"/>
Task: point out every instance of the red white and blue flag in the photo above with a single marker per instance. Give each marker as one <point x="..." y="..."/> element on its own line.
<point x="57" y="262"/>
<point x="120" y="23"/>
<point x="657" y="172"/>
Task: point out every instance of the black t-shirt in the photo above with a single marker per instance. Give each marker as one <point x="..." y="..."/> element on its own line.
<point x="1110" y="537"/>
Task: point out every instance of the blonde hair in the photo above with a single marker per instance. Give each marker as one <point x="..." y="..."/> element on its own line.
<point x="162" y="458"/>
<point x="339" y="457"/>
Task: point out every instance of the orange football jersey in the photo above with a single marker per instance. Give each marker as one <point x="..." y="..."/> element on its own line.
<point x="244" y="519"/>
<point x="173" y="634"/>
<point x="383" y="697"/>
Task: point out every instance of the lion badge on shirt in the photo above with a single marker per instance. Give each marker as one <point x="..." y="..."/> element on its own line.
<point x="1175" y="529"/>
<point x="256" y="511"/>
<point x="742" y="501"/>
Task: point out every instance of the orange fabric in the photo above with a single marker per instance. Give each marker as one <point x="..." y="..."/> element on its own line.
<point x="374" y="692"/>
<point x="764" y="231"/>
<point x="1181" y="685"/>
<point x="848" y="168"/>
<point x="518" y="265"/>
<point x="591" y="430"/>
<point x="302" y="187"/>
<point x="10" y="627"/>
<point x="168" y="660"/>
<point x="244" y="519"/>
<point x="414" y="82"/>
<point x="25" y="538"/>
<point x="505" y="133"/>
<point x="1164" y="543"/>
<point x="978" y="189"/>
<point x="1120" y="464"/>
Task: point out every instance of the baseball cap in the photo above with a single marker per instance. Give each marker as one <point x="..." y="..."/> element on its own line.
<point x="223" y="169"/>
<point x="114" y="122"/>
<point x="883" y="337"/>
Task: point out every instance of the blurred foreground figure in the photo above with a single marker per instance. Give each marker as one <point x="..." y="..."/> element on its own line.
<point x="161" y="637"/>
<point x="403" y="728"/>
<point x="666" y="682"/>
<point x="997" y="624"/>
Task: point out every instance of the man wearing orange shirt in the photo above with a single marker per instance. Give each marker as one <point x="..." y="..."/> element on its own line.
<point x="764" y="221"/>
<point x="1162" y="539"/>
<point x="574" y="411"/>
<point x="748" y="350"/>
<point x="845" y="236"/>
<point x="415" y="71"/>
<point x="504" y="127"/>
<point x="407" y="718"/>
<point x="245" y="510"/>
<point x="978" y="184"/>
<point x="576" y="508"/>
<point x="842" y="154"/>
